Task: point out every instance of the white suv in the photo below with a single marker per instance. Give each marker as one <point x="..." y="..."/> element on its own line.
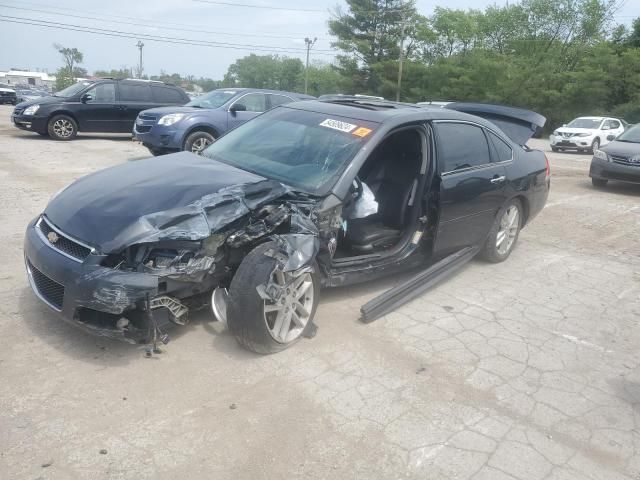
<point x="587" y="133"/>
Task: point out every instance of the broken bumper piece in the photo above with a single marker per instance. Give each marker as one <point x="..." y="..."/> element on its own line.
<point x="100" y="300"/>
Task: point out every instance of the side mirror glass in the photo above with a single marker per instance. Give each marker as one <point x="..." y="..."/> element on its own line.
<point x="87" y="97"/>
<point x="238" y="107"/>
<point x="611" y="137"/>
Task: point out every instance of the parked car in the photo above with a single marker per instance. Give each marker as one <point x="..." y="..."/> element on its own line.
<point x="201" y="121"/>
<point x="309" y="194"/>
<point x="619" y="160"/>
<point x="586" y="133"/>
<point x="105" y="105"/>
<point x="7" y="95"/>
<point x="26" y="95"/>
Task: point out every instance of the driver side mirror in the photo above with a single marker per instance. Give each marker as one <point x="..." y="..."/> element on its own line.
<point x="238" y="107"/>
<point x="87" y="97"/>
<point x="611" y="138"/>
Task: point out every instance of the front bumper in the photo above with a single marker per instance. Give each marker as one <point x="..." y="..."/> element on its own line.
<point x="30" y="123"/>
<point x="158" y="137"/>
<point x="581" y="143"/>
<point x="611" y="170"/>
<point x="87" y="294"/>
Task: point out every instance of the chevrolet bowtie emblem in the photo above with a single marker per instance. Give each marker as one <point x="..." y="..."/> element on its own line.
<point x="53" y="237"/>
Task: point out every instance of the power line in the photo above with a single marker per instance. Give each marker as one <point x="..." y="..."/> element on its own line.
<point x="143" y="23"/>
<point x="155" y="38"/>
<point x="265" y="7"/>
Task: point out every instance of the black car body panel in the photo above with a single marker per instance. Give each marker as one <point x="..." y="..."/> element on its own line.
<point x="109" y="112"/>
<point x="178" y="226"/>
<point x="622" y="164"/>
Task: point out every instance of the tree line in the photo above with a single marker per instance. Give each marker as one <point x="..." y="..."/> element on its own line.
<point x="562" y="58"/>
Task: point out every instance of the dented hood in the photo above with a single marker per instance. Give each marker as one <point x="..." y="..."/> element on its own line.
<point x="173" y="197"/>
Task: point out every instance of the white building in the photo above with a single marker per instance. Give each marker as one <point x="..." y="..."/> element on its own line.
<point x="32" y="79"/>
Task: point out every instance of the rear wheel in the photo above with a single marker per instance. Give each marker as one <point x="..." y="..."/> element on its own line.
<point x="197" y="142"/>
<point x="599" y="182"/>
<point x="269" y="326"/>
<point x="62" y="127"/>
<point x="504" y="233"/>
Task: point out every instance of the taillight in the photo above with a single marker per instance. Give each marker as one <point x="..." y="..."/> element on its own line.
<point x="548" y="166"/>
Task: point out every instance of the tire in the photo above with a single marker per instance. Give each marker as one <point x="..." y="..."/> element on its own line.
<point x="555" y="149"/>
<point x="494" y="252"/>
<point x="62" y="127"/>
<point x="247" y="317"/>
<point x="198" y="141"/>
<point x="595" y="145"/>
<point x="156" y="152"/>
<point x="599" y="182"/>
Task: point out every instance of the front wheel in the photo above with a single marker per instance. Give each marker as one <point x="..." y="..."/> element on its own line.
<point x="271" y="325"/>
<point x="62" y="127"/>
<point x="595" y="145"/>
<point x="504" y="233"/>
<point x="197" y="142"/>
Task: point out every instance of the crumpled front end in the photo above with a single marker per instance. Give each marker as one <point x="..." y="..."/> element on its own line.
<point x="166" y="263"/>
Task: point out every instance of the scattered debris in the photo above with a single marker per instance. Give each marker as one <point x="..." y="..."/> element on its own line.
<point x="233" y="406"/>
<point x="103" y="451"/>
<point x="47" y="464"/>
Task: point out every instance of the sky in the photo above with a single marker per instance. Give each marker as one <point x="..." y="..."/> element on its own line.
<point x="243" y="30"/>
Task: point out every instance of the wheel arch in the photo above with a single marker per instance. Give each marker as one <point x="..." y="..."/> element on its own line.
<point x="63" y="112"/>
<point x="526" y="208"/>
<point x="200" y="128"/>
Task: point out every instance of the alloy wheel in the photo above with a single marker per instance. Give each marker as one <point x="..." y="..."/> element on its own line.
<point x="508" y="231"/>
<point x="287" y="317"/>
<point x="63" y="128"/>
<point x="199" y="145"/>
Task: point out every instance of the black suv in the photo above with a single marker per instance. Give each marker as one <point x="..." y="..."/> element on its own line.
<point x="105" y="105"/>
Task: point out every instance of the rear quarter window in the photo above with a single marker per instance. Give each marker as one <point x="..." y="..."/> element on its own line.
<point x="502" y="150"/>
<point x="134" y="93"/>
<point x="167" y="95"/>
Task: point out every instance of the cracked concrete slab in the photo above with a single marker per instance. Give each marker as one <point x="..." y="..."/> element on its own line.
<point x="521" y="371"/>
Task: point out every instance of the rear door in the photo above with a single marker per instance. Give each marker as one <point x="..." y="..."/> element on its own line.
<point x="133" y="98"/>
<point x="99" y="112"/>
<point x="163" y="96"/>
<point x="255" y="104"/>
<point x="472" y="184"/>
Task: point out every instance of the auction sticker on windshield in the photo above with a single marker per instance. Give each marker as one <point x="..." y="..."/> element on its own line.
<point x="338" y="125"/>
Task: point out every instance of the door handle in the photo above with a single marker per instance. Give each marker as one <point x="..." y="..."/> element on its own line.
<point x="501" y="179"/>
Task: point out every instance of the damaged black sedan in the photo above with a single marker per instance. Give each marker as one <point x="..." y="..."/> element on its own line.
<point x="309" y="195"/>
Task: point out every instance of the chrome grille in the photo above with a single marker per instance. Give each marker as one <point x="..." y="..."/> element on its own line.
<point x="62" y="243"/>
<point x="625" y="161"/>
<point x="49" y="290"/>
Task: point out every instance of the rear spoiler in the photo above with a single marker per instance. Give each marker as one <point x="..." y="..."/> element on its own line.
<point x="517" y="123"/>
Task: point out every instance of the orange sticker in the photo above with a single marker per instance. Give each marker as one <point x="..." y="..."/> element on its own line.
<point x="362" y="132"/>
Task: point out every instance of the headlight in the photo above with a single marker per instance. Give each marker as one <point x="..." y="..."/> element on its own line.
<point x="583" y="134"/>
<point x="556" y="133"/>
<point x="171" y="119"/>
<point x="599" y="154"/>
<point x="32" y="109"/>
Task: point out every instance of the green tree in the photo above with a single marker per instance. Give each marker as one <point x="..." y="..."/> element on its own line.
<point x="71" y="57"/>
<point x="265" y="71"/>
<point x="64" y="78"/>
<point x="123" y="72"/>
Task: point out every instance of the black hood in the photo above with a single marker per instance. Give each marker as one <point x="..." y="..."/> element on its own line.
<point x="622" y="149"/>
<point x="50" y="100"/>
<point x="179" y="196"/>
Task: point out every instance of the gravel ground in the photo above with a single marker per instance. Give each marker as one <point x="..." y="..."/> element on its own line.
<point x="524" y="370"/>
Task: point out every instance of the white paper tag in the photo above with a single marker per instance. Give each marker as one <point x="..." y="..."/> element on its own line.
<point x="338" y="125"/>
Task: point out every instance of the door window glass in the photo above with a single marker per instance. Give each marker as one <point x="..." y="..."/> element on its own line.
<point x="255" y="102"/>
<point x="461" y="146"/>
<point x="103" y="93"/>
<point x="614" y="124"/>
<point x="279" y="100"/>
<point x="134" y="93"/>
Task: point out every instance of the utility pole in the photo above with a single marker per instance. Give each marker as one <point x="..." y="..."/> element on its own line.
<point x="401" y="59"/>
<point x="310" y="43"/>
<point x="140" y="45"/>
